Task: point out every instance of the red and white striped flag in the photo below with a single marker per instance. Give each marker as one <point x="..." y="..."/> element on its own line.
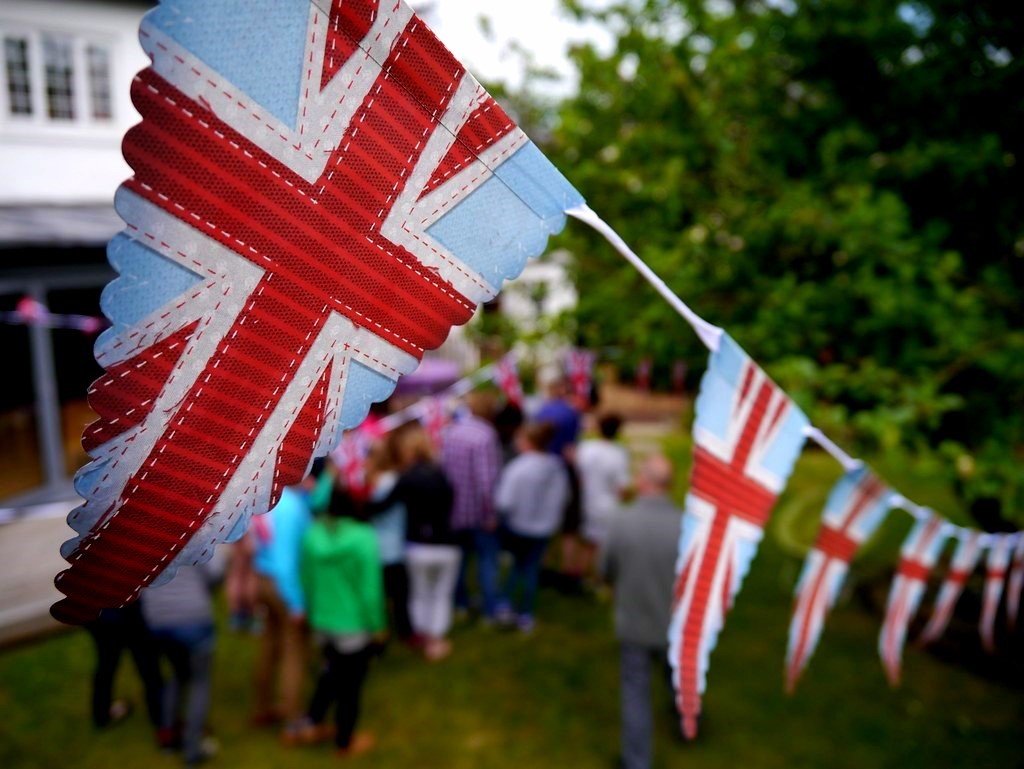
<point x="918" y="555"/>
<point x="995" y="579"/>
<point x="856" y="507"/>
<point x="1015" y="583"/>
<point x="506" y="375"/>
<point x="964" y="561"/>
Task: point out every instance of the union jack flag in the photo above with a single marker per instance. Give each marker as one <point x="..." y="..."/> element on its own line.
<point x="506" y="374"/>
<point x="434" y="417"/>
<point x="643" y="374"/>
<point x="1015" y="583"/>
<point x="350" y="458"/>
<point x="320" y="192"/>
<point x="918" y="555"/>
<point x="965" y="559"/>
<point x="995" y="579"/>
<point x="579" y="365"/>
<point x="747" y="436"/>
<point x="855" y="508"/>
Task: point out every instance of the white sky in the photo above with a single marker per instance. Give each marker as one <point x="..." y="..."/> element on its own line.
<point x="537" y="25"/>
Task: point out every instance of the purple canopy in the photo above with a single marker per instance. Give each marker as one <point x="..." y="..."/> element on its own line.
<point x="432" y="376"/>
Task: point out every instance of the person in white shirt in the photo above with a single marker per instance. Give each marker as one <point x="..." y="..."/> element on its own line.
<point x="603" y="466"/>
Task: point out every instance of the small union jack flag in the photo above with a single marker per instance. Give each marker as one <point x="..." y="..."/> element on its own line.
<point x="747" y="436"/>
<point x="350" y="458"/>
<point x="855" y="508"/>
<point x="965" y="560"/>
<point x="643" y="374"/>
<point x="320" y="192"/>
<point x="579" y="365"/>
<point x="1015" y="583"/>
<point x="995" y="579"/>
<point x="506" y="375"/>
<point x="918" y="555"/>
<point x="434" y="417"/>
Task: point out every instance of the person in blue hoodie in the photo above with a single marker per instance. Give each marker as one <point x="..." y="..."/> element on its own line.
<point x="285" y="636"/>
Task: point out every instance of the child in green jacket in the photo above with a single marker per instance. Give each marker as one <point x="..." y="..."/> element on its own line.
<point x="343" y="585"/>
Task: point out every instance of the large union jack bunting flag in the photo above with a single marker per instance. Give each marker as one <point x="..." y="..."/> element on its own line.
<point x="1015" y="583"/>
<point x="855" y="508"/>
<point x="996" y="566"/>
<point x="918" y="555"/>
<point x="320" y="192"/>
<point x="747" y="436"/>
<point x="964" y="561"/>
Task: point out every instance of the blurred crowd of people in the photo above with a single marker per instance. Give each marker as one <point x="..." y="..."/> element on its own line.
<point x="346" y="566"/>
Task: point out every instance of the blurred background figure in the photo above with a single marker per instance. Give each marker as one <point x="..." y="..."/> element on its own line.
<point x="112" y="632"/>
<point x="471" y="459"/>
<point x="389" y="523"/>
<point x="241" y="583"/>
<point x="565" y="420"/>
<point x="180" y="616"/>
<point x="431" y="555"/>
<point x="603" y="467"/>
<point x="531" y="497"/>
<point x="639" y="561"/>
<point x="507" y="421"/>
<point x="344" y="589"/>
<point x="284" y="639"/>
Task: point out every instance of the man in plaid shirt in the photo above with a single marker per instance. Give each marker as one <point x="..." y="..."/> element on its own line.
<point x="471" y="458"/>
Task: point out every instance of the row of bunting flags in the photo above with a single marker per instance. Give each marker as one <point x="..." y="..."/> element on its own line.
<point x="747" y="435"/>
<point x="433" y="412"/>
<point x="31" y="312"/>
<point x="320" y="192"/>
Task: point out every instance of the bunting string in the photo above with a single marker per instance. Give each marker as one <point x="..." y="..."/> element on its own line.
<point x="716" y="548"/>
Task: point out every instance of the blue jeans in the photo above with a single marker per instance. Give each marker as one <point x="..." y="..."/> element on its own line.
<point x="527" y="555"/>
<point x="189" y="649"/>
<point x="485" y="545"/>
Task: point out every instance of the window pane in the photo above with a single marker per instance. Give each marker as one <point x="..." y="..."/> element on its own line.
<point x="19" y="87"/>
<point x="60" y="94"/>
<point x="99" y="82"/>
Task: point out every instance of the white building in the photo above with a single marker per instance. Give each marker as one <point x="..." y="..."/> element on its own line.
<point x="64" y="105"/>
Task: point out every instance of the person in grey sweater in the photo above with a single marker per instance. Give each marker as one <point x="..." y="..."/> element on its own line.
<point x="639" y="561"/>
<point x="179" y="614"/>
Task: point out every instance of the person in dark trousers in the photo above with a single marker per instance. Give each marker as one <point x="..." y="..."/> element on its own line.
<point x="471" y="458"/>
<point x="560" y="412"/>
<point x="112" y="632"/>
<point x="343" y="584"/>
<point x="180" y="615"/>
<point x="639" y="561"/>
<point x="530" y="498"/>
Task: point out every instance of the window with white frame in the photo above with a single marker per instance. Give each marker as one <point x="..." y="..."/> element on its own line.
<point x="56" y="79"/>
<point x="98" y="58"/>
<point x="60" y="77"/>
<point x="16" y="67"/>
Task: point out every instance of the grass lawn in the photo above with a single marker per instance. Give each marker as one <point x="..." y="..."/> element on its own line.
<point x="550" y="700"/>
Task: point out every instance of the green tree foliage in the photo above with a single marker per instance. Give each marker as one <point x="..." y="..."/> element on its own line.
<point x="837" y="183"/>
